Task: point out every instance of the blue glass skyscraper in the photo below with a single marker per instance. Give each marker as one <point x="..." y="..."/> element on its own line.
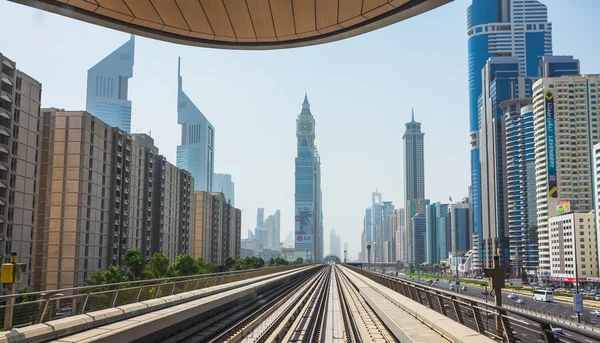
<point x="518" y="28"/>
<point x="308" y="208"/>
<point x="107" y="87"/>
<point x="196" y="152"/>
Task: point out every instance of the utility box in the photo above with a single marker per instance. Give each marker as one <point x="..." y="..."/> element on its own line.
<point x="7" y="274"/>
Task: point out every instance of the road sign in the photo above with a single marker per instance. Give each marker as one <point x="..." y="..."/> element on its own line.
<point x="578" y="303"/>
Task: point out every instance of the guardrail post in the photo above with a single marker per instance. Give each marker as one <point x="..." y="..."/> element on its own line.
<point x="477" y="317"/>
<point x="158" y="290"/>
<point x="186" y="285"/>
<point x="87" y="297"/>
<point x="114" y="301"/>
<point x="429" y="301"/>
<point x="441" y="303"/>
<point x="139" y="294"/>
<point x="43" y="310"/>
<point x="457" y="310"/>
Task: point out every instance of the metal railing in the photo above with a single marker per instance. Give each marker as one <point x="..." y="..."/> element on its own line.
<point x="499" y="323"/>
<point x="38" y="307"/>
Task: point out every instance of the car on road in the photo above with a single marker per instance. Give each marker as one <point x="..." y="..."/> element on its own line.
<point x="463" y="288"/>
<point x="512" y="296"/>
<point x="574" y="316"/>
<point x="451" y="288"/>
<point x="490" y="314"/>
<point x="64" y="312"/>
<point x="556" y="331"/>
<point x="520" y="301"/>
<point x="485" y="292"/>
<point x="595" y="313"/>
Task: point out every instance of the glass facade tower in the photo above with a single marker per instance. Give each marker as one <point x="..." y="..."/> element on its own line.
<point x="518" y="28"/>
<point x="107" y="87"/>
<point x="308" y="208"/>
<point x="196" y="152"/>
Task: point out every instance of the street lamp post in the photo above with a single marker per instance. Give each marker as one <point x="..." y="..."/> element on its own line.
<point x="577" y="296"/>
<point x="344" y="256"/>
<point x="369" y="256"/>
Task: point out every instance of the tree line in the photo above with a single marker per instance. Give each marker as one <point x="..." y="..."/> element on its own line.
<point x="137" y="268"/>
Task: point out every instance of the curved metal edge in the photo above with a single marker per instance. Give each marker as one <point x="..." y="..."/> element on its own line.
<point x="406" y="11"/>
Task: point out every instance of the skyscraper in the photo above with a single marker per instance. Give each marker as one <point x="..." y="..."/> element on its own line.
<point x="335" y="244"/>
<point x="308" y="208"/>
<point x="400" y="234"/>
<point x="417" y="223"/>
<point x="413" y="208"/>
<point x="435" y="234"/>
<point x="414" y="182"/>
<point x="260" y="216"/>
<point x="196" y="152"/>
<point x="107" y="87"/>
<point x="222" y="183"/>
<point x="517" y="28"/>
<point x="376" y="207"/>
<point x="387" y="232"/>
<point x="520" y="184"/>
<point x="458" y="215"/>
<point x="414" y="161"/>
<point x="500" y="82"/>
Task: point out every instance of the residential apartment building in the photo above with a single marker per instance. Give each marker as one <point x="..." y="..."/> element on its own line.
<point x="102" y="192"/>
<point x="173" y="189"/>
<point x="20" y="97"/>
<point x="573" y="252"/>
<point x="217" y="228"/>
<point x="565" y="119"/>
<point x="596" y="190"/>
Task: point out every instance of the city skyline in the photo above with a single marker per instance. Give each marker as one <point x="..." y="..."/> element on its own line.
<point x="160" y="120"/>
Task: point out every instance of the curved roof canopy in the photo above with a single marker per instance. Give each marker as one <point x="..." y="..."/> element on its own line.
<point x="240" y="24"/>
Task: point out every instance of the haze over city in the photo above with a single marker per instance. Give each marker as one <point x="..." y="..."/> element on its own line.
<point x="361" y="92"/>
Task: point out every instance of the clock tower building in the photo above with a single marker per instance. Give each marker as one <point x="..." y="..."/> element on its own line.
<point x="308" y="240"/>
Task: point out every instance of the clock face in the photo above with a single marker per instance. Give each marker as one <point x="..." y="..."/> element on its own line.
<point x="304" y="126"/>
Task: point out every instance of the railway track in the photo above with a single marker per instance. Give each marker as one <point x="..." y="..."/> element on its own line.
<point x="321" y="307"/>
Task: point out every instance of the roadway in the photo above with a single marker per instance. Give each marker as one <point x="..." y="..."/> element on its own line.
<point x="552" y="309"/>
<point x="525" y="331"/>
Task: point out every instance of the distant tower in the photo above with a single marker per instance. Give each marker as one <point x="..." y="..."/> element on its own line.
<point x="308" y="210"/>
<point x="414" y="161"/>
<point x="107" y="87"/>
<point x="196" y="152"/>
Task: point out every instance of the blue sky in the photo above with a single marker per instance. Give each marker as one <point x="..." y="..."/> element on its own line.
<point x="361" y="92"/>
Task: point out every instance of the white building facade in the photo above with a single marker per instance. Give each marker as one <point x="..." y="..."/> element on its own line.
<point x="573" y="248"/>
